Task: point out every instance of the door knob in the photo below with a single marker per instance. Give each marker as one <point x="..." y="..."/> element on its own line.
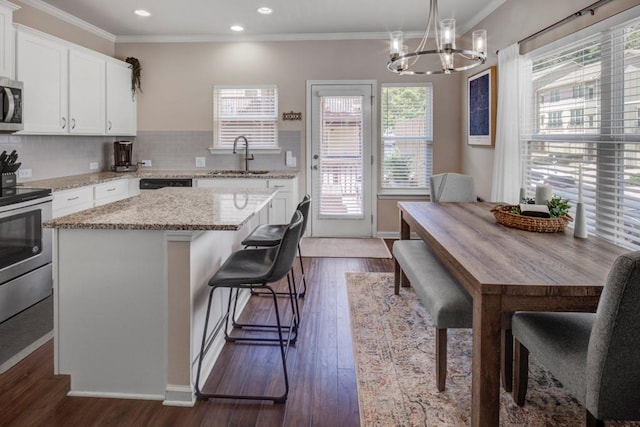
<point x="316" y="157"/>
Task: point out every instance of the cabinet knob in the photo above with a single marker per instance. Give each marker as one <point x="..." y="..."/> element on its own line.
<point x="109" y="124"/>
<point x="73" y="123"/>
<point x="64" y="123"/>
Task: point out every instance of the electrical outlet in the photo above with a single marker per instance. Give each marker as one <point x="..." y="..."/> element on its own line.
<point x="200" y="162"/>
<point x="24" y="173"/>
<point x="93" y="166"/>
<point x="146" y="163"/>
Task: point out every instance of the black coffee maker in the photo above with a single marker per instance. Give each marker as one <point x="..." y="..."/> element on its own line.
<point x="123" y="157"/>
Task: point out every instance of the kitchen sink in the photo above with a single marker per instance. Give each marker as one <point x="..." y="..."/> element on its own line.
<point x="237" y="172"/>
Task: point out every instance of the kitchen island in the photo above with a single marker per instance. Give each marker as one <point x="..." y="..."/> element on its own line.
<point x="130" y="288"/>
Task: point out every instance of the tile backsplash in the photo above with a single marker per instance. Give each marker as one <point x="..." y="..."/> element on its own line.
<point x="178" y="150"/>
<point x="54" y="156"/>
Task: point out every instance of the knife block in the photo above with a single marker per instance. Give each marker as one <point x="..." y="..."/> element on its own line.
<point x="8" y="180"/>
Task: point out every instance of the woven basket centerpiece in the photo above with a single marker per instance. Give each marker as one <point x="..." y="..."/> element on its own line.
<point x="505" y="216"/>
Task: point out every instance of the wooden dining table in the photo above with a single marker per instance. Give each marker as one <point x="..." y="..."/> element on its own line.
<point x="506" y="270"/>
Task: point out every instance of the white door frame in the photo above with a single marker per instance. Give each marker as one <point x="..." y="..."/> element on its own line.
<point x="374" y="141"/>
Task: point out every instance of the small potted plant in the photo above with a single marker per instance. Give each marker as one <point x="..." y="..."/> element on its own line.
<point x="136" y="70"/>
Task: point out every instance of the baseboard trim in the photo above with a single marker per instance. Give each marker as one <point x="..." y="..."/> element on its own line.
<point x="112" y="395"/>
<point x="394" y="235"/>
<point x="14" y="360"/>
<point x="175" y="395"/>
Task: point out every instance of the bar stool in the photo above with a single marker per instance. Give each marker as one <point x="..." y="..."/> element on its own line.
<point x="268" y="235"/>
<point x="256" y="269"/>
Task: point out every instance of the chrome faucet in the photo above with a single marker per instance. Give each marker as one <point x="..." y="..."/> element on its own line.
<point x="247" y="157"/>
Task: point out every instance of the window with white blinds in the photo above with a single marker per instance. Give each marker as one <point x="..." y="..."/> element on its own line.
<point x="251" y="111"/>
<point x="586" y="98"/>
<point x="407" y="138"/>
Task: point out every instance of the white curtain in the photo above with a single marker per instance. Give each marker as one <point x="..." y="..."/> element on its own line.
<point x="513" y="102"/>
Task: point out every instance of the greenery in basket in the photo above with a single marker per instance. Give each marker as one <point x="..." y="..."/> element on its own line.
<point x="558" y="207"/>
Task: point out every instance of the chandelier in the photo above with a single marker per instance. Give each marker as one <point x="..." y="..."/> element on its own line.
<point x="450" y="59"/>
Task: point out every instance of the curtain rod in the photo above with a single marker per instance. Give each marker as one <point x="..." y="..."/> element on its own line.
<point x="591" y="10"/>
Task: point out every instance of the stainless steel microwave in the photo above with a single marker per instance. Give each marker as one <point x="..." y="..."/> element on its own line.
<point x="10" y="105"/>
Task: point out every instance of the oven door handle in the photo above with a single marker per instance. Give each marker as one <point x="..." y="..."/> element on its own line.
<point x="11" y="105"/>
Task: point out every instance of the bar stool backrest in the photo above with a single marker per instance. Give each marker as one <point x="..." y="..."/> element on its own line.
<point x="287" y="249"/>
<point x="303" y="207"/>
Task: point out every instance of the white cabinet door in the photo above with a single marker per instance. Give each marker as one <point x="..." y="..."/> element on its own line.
<point x="86" y="93"/>
<point x="284" y="202"/>
<point x="121" y="105"/>
<point x="42" y="65"/>
<point x="6" y="40"/>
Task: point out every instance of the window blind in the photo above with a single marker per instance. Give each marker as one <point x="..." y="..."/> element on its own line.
<point x="251" y="111"/>
<point x="586" y="103"/>
<point x="407" y="137"/>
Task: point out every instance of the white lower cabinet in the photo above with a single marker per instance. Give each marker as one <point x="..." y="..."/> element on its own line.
<point x="78" y="199"/>
<point x="71" y="201"/>
<point x="110" y="192"/>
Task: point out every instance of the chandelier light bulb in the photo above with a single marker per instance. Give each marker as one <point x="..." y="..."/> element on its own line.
<point x="479" y="38"/>
<point x="448" y="34"/>
<point x="396" y="43"/>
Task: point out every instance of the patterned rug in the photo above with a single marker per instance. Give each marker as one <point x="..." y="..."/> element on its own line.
<point x="395" y="366"/>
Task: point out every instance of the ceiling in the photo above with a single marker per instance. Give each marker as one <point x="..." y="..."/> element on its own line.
<point x="291" y="19"/>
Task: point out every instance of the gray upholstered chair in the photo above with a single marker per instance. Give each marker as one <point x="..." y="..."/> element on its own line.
<point x="595" y="356"/>
<point x="452" y="187"/>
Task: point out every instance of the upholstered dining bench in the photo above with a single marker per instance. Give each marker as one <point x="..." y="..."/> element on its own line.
<point x="449" y="305"/>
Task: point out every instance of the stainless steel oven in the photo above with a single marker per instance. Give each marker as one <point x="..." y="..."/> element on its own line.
<point x="25" y="249"/>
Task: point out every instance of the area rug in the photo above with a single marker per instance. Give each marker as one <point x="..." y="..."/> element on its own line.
<point x="327" y="247"/>
<point x="25" y="332"/>
<point x="394" y="349"/>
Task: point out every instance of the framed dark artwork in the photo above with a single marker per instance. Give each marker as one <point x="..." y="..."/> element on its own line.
<point x="481" y="114"/>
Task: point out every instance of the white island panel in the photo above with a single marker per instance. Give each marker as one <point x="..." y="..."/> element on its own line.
<point x="111" y="293"/>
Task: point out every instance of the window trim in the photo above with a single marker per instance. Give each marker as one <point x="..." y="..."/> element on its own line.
<point x="391" y="193"/>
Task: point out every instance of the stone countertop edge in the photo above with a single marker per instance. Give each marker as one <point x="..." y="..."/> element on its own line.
<point x="166" y="209"/>
<point x="76" y="181"/>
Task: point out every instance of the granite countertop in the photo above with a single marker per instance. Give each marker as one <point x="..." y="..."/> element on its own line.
<point x="75" y="181"/>
<point x="188" y="209"/>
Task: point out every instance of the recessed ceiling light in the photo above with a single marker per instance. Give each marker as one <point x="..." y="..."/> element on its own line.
<point x="142" y="12"/>
<point x="265" y="10"/>
<point x="237" y="28"/>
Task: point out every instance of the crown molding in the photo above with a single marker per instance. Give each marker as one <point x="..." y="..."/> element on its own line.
<point x="486" y="11"/>
<point x="9" y="5"/>
<point x="67" y="17"/>
<point x="263" y="37"/>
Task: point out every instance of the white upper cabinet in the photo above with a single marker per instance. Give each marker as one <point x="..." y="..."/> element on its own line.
<point x="41" y="64"/>
<point x="86" y="93"/>
<point x="121" y="105"/>
<point x="72" y="90"/>
<point x="6" y="39"/>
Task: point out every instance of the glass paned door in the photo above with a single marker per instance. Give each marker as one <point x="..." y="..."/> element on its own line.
<point x="340" y="165"/>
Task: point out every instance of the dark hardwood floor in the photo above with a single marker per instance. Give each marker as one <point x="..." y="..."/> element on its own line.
<point x="321" y="373"/>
